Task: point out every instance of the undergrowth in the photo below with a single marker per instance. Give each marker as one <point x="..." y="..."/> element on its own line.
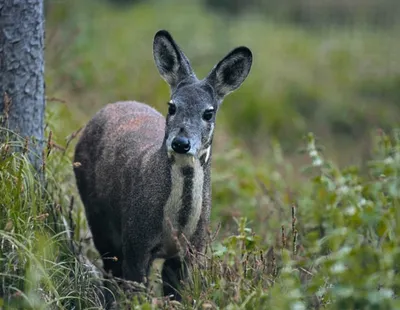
<point x="337" y="246"/>
<point x="39" y="266"/>
<point x="339" y="82"/>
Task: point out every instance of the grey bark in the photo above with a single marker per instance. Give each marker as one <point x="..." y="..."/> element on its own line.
<point x="22" y="99"/>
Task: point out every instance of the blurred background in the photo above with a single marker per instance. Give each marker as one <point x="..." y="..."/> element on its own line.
<point x="327" y="66"/>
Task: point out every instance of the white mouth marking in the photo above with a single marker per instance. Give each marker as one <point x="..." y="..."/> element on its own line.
<point x="208" y="154"/>
<point x="207" y="151"/>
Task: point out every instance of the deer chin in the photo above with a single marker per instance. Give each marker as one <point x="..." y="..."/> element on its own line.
<point x="190" y="159"/>
<point x="184" y="159"/>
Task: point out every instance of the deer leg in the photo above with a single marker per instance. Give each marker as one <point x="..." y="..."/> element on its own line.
<point x="136" y="263"/>
<point x="174" y="272"/>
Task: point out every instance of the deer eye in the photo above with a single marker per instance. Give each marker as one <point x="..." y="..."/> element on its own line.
<point x="171" y="108"/>
<point x="208" y="114"/>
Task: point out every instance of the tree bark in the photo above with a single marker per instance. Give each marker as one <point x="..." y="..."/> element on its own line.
<point x="22" y="98"/>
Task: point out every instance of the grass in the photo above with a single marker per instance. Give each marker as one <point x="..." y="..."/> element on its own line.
<point x="334" y="245"/>
<point x="39" y="269"/>
<point x="296" y="224"/>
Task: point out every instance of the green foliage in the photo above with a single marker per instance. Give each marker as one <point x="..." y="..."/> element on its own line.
<point x="38" y="266"/>
<point x="314" y="13"/>
<point x="337" y="248"/>
<point x="340" y="249"/>
<point x="338" y="82"/>
<point x="352" y="230"/>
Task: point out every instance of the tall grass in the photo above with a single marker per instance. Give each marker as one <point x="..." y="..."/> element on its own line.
<point x="333" y="244"/>
<point x="39" y="265"/>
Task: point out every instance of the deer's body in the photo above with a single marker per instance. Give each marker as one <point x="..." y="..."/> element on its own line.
<point x="177" y="201"/>
<point x="145" y="180"/>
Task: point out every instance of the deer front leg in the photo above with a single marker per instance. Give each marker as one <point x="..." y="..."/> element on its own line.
<point x="174" y="272"/>
<point x="137" y="259"/>
<point x="137" y="245"/>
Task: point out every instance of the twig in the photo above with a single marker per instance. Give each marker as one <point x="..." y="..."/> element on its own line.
<point x="216" y="232"/>
<point x="7" y="105"/>
<point x="283" y="237"/>
<point x="294" y="219"/>
<point x="49" y="143"/>
<point x="55" y="99"/>
<point x="71" y="222"/>
<point x="72" y="137"/>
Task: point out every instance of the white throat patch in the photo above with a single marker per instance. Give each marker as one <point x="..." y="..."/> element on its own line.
<point x="175" y="204"/>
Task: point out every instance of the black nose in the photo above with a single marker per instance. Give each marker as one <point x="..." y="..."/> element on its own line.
<point x="181" y="145"/>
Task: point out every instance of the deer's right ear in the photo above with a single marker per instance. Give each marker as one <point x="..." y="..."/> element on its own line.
<point x="171" y="62"/>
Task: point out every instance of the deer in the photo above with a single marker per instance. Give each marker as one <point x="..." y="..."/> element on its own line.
<point x="145" y="179"/>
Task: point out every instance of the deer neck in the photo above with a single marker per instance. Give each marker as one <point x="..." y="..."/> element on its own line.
<point x="184" y="205"/>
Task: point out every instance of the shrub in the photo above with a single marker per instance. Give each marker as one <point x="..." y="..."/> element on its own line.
<point x="335" y="244"/>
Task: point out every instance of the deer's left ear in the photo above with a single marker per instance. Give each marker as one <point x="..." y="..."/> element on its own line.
<point x="231" y="71"/>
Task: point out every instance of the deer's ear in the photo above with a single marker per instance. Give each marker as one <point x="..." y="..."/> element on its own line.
<point x="231" y="71"/>
<point x="171" y="62"/>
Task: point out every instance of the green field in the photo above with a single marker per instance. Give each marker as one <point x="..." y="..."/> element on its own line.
<point x="304" y="221"/>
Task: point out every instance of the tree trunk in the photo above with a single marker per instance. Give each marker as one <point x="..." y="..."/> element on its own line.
<point x="22" y="101"/>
